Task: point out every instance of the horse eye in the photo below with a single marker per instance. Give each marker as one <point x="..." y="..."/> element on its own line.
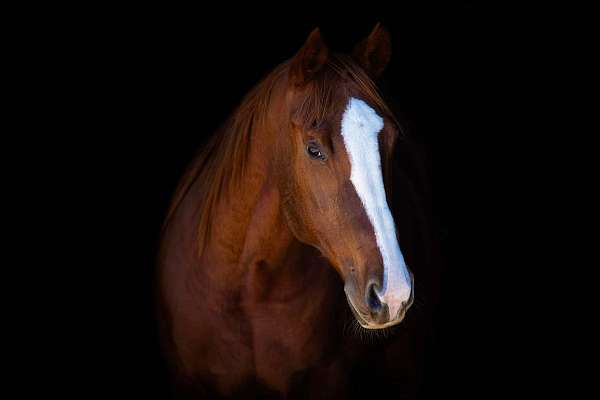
<point x="315" y="152"/>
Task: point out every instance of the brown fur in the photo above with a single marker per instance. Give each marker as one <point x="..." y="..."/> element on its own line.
<point x="260" y="241"/>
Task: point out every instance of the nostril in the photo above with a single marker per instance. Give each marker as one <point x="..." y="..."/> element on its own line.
<point x="373" y="301"/>
<point x="406" y="305"/>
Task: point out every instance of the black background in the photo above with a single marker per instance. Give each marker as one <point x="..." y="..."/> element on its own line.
<point x="147" y="86"/>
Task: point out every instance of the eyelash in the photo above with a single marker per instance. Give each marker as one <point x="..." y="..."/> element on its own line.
<point x="314" y="151"/>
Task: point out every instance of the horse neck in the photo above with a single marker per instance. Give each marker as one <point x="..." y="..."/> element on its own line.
<point x="248" y="225"/>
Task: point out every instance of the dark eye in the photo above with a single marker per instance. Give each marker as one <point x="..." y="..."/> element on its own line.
<point x="314" y="151"/>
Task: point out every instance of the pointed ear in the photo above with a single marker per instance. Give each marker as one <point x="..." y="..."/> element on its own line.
<point x="374" y="52"/>
<point x="309" y="60"/>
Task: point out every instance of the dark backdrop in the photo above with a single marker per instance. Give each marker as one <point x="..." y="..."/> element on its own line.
<point x="150" y="84"/>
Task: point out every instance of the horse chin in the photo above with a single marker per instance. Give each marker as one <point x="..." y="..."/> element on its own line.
<point x="380" y="326"/>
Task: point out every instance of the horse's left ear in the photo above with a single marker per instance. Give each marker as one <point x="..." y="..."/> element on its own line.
<point x="309" y="60"/>
<point x="373" y="53"/>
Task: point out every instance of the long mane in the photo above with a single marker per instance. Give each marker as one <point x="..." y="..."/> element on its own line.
<point x="221" y="164"/>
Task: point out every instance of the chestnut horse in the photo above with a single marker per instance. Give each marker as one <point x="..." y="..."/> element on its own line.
<point x="283" y="224"/>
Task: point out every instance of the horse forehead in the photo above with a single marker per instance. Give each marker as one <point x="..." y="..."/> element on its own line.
<point x="359" y="118"/>
<point x="356" y="136"/>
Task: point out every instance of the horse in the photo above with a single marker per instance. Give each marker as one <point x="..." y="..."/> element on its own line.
<point x="280" y="270"/>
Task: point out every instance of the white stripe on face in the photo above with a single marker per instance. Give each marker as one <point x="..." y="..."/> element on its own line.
<point x="360" y="128"/>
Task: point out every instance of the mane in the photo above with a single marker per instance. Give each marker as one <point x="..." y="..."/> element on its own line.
<point x="221" y="164"/>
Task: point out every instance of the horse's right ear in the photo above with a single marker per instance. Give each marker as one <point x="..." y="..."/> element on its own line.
<point x="309" y="60"/>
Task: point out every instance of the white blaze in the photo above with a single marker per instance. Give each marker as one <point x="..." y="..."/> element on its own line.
<point x="360" y="128"/>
